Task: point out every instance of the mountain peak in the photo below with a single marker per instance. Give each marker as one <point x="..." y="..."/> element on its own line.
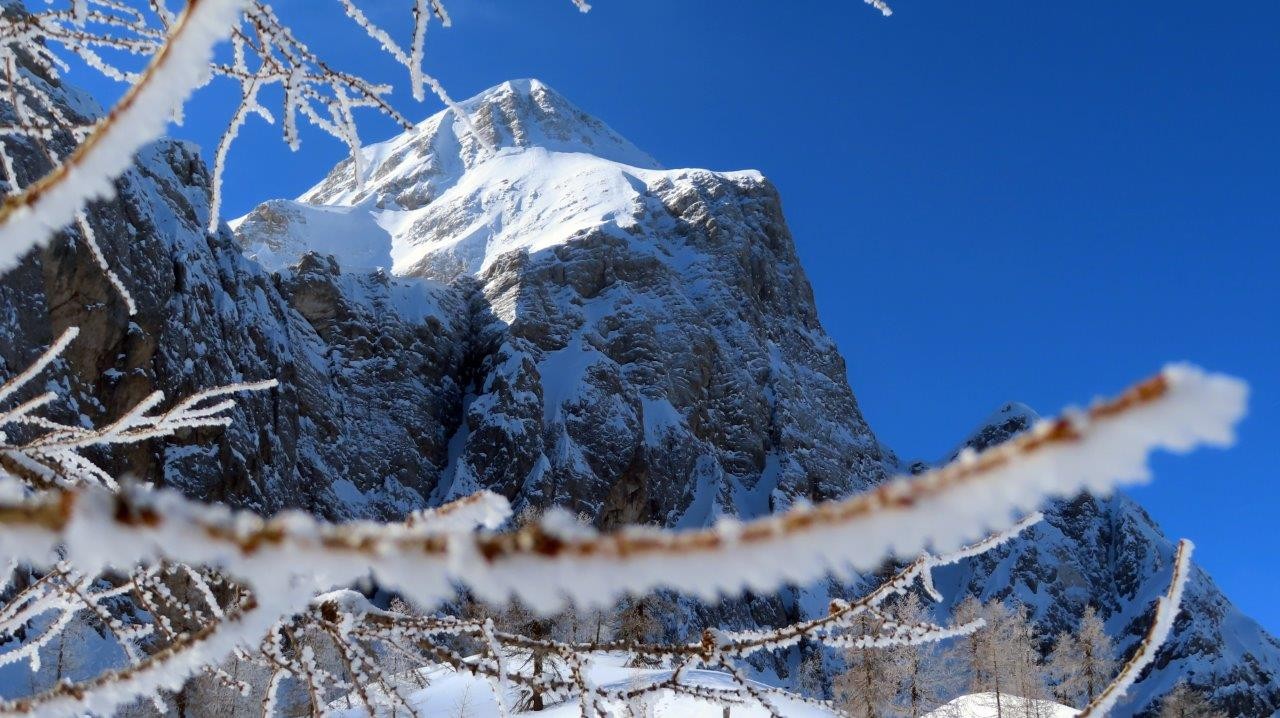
<point x="411" y="169"/>
<point x="1010" y="419"/>
<point x="515" y="168"/>
<point x="528" y="113"/>
<point x="519" y="87"/>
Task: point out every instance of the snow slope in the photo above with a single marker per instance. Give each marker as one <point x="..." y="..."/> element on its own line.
<point x="983" y="705"/>
<point x="448" y="693"/>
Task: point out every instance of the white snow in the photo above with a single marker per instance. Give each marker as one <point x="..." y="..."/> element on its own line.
<point x="527" y="199"/>
<point x="983" y="705"/>
<point x="450" y="693"/>
<point x="283" y="231"/>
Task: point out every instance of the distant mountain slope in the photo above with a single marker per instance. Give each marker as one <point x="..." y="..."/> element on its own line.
<point x="1109" y="553"/>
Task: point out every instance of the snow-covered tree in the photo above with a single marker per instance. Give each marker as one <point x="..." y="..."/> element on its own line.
<point x="1186" y="702"/>
<point x="811" y="675"/>
<point x="1002" y="657"/>
<point x="638" y="620"/>
<point x="1026" y="672"/>
<point x="925" y="675"/>
<point x="868" y="685"/>
<point x="1082" y="662"/>
<point x="981" y="653"/>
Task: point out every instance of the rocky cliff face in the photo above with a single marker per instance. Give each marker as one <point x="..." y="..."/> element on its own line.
<point x="643" y="344"/>
<point x="541" y="310"/>
<point x="368" y="365"/>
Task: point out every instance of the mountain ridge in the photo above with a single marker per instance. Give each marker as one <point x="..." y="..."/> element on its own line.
<point x="1109" y="553"/>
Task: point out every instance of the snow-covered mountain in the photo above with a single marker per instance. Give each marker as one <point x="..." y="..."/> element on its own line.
<point x="521" y="300"/>
<point x="642" y="343"/>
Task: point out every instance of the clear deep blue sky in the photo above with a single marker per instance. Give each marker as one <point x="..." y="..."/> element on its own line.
<point x="998" y="200"/>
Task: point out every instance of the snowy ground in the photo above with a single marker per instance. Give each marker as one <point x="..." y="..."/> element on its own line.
<point x="444" y="693"/>
<point x="983" y="705"/>
<point x="450" y="694"/>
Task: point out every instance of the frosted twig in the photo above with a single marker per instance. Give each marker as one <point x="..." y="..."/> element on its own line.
<point x="1105" y="447"/>
<point x="264" y="53"/>
<point x="41" y="209"/>
<point x="49" y="454"/>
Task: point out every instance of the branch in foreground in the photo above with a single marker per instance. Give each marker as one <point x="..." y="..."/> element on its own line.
<point x="355" y="628"/>
<point x="181" y="65"/>
<point x="51" y="453"/>
<point x="1095" y="450"/>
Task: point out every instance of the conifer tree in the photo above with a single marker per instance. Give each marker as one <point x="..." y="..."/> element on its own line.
<point x="1026" y="673"/>
<point x="1082" y="663"/>
<point x="926" y="680"/>
<point x="868" y="686"/>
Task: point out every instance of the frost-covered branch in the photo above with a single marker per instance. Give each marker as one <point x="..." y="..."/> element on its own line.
<point x="1093" y="450"/>
<point x="40" y="452"/>
<point x="37" y="453"/>
<point x="281" y="563"/>
<point x="35" y="213"/>
<point x="483" y="509"/>
<point x="882" y="6"/>
<point x="358" y="632"/>
<point x="165" y="668"/>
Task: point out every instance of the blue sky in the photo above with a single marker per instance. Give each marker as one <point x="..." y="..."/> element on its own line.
<point x="997" y="200"/>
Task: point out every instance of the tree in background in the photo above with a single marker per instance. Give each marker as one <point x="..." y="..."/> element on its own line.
<point x="868" y="685"/>
<point x="1026" y="671"/>
<point x="811" y="676"/>
<point x="1002" y="657"/>
<point x="982" y="653"/>
<point x="926" y="678"/>
<point x="1083" y="662"/>
<point x="1186" y="702"/>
